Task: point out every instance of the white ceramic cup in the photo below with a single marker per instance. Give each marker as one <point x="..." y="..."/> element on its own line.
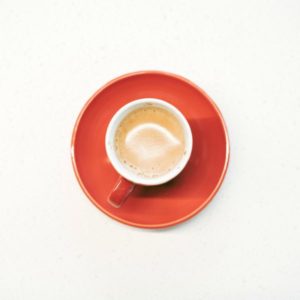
<point x="129" y="179"/>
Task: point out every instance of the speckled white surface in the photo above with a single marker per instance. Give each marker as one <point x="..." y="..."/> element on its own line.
<point x="54" y="244"/>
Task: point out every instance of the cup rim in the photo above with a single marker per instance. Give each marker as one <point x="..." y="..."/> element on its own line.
<point x="111" y="153"/>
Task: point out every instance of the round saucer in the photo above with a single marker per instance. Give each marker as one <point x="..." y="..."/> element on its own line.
<point x="177" y="200"/>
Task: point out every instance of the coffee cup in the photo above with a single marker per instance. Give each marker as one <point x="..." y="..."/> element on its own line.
<point x="148" y="142"/>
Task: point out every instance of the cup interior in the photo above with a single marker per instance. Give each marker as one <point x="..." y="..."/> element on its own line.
<point x="110" y="142"/>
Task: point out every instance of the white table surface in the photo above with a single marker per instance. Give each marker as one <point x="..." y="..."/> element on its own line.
<point x="54" y="244"/>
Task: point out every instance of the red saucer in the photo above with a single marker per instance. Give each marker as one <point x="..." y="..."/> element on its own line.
<point x="187" y="194"/>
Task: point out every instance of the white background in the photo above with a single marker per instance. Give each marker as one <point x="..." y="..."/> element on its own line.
<point x="54" y="244"/>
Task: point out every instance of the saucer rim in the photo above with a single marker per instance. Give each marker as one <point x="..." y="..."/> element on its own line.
<point x="176" y="221"/>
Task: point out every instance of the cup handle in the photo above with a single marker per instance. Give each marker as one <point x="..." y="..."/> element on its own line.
<point x="120" y="192"/>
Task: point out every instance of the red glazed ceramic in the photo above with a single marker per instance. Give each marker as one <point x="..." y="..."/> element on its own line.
<point x="177" y="200"/>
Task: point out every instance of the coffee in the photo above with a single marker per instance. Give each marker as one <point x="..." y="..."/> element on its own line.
<point x="150" y="141"/>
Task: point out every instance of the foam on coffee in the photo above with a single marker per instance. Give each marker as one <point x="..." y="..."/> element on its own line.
<point x="150" y="141"/>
